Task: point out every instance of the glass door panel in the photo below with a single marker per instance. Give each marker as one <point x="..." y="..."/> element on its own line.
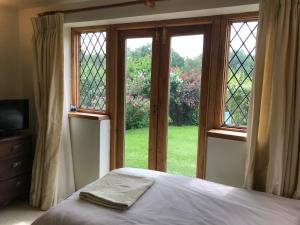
<point x="138" y="67"/>
<point x="185" y="71"/>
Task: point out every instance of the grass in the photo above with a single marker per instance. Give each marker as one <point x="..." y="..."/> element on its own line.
<point x="181" y="153"/>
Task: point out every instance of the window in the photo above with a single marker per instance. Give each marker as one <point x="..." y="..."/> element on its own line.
<point x="91" y="71"/>
<point x="240" y="66"/>
<point x="212" y="89"/>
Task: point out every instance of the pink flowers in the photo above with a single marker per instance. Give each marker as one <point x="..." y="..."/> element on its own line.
<point x="136" y="101"/>
<point x="130" y="97"/>
<point x="142" y="77"/>
<point x="137" y="111"/>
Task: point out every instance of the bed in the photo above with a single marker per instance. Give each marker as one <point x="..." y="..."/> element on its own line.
<point x="180" y="200"/>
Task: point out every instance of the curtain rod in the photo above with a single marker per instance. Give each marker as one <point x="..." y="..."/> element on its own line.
<point x="149" y="3"/>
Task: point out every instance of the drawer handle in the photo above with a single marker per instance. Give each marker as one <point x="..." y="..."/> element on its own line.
<point x="19" y="183"/>
<point x="17" y="164"/>
<point x="16" y="147"/>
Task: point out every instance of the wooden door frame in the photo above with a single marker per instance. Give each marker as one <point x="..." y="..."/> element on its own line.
<point x="163" y="108"/>
<point x="159" y="103"/>
<point x="122" y="36"/>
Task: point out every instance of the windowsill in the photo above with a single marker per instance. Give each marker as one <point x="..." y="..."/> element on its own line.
<point x="227" y="134"/>
<point x="89" y="116"/>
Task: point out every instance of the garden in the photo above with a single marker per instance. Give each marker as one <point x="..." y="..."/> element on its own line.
<point x="184" y="100"/>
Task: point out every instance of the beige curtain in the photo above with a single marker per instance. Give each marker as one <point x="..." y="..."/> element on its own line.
<point x="273" y="161"/>
<point x="49" y="98"/>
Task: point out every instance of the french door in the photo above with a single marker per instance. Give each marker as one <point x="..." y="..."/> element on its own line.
<point x="162" y="98"/>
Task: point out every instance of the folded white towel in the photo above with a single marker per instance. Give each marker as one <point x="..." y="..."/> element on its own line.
<point x="116" y="190"/>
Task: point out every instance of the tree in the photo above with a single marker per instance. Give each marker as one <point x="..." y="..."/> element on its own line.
<point x="239" y="86"/>
<point x="176" y="60"/>
<point x="193" y="64"/>
<point x="185" y="78"/>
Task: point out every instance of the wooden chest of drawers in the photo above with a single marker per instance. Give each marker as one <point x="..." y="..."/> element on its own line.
<point x="16" y="158"/>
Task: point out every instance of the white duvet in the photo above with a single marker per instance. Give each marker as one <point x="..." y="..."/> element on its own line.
<point x="178" y="200"/>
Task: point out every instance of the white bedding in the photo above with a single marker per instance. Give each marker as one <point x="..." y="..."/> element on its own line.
<point x="178" y="200"/>
<point x="115" y="190"/>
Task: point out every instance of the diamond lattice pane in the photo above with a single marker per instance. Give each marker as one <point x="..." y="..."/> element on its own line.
<point x="240" y="72"/>
<point x="93" y="71"/>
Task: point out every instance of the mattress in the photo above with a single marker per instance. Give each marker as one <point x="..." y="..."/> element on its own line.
<point x="179" y="200"/>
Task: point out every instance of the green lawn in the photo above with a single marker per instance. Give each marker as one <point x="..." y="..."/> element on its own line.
<point x="181" y="154"/>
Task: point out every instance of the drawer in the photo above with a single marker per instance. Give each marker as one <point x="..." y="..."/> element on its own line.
<point x="9" y="148"/>
<point x="13" y="188"/>
<point x="15" y="166"/>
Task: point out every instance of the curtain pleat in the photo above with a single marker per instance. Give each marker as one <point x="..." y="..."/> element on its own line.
<point x="49" y="99"/>
<point x="273" y="160"/>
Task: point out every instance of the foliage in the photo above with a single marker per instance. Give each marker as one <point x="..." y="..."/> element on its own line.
<point x="184" y="90"/>
<point x="93" y="81"/>
<point x="184" y="98"/>
<point x="176" y="60"/>
<point x="192" y="64"/>
<point x="138" y="72"/>
<point x="184" y="87"/>
<point x="137" y="112"/>
<point x="239" y="88"/>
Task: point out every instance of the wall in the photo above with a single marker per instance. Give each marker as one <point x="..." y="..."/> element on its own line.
<point x="90" y="147"/>
<point x="26" y="60"/>
<point x="10" y="82"/>
<point x="226" y="161"/>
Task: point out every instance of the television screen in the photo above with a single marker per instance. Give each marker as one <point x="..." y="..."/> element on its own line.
<point x="14" y="115"/>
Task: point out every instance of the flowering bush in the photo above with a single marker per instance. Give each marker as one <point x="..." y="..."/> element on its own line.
<point x="184" y="88"/>
<point x="138" y="85"/>
<point x="183" y="104"/>
<point x="137" y="112"/>
<point x="184" y="98"/>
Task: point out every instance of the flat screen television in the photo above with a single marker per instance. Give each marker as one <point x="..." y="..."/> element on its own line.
<point x="14" y="115"/>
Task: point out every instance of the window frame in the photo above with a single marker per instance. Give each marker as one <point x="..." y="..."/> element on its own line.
<point x="75" y="67"/>
<point x="221" y="82"/>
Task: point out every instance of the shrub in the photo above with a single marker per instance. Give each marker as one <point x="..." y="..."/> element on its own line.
<point x="138" y="85"/>
<point x="184" y="98"/>
<point x="137" y="112"/>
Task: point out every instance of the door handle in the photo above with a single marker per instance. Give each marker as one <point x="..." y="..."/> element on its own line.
<point x="17" y="164"/>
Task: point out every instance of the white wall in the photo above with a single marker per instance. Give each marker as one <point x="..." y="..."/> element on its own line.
<point x="90" y="147"/>
<point x="10" y="82"/>
<point x="226" y="161"/>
